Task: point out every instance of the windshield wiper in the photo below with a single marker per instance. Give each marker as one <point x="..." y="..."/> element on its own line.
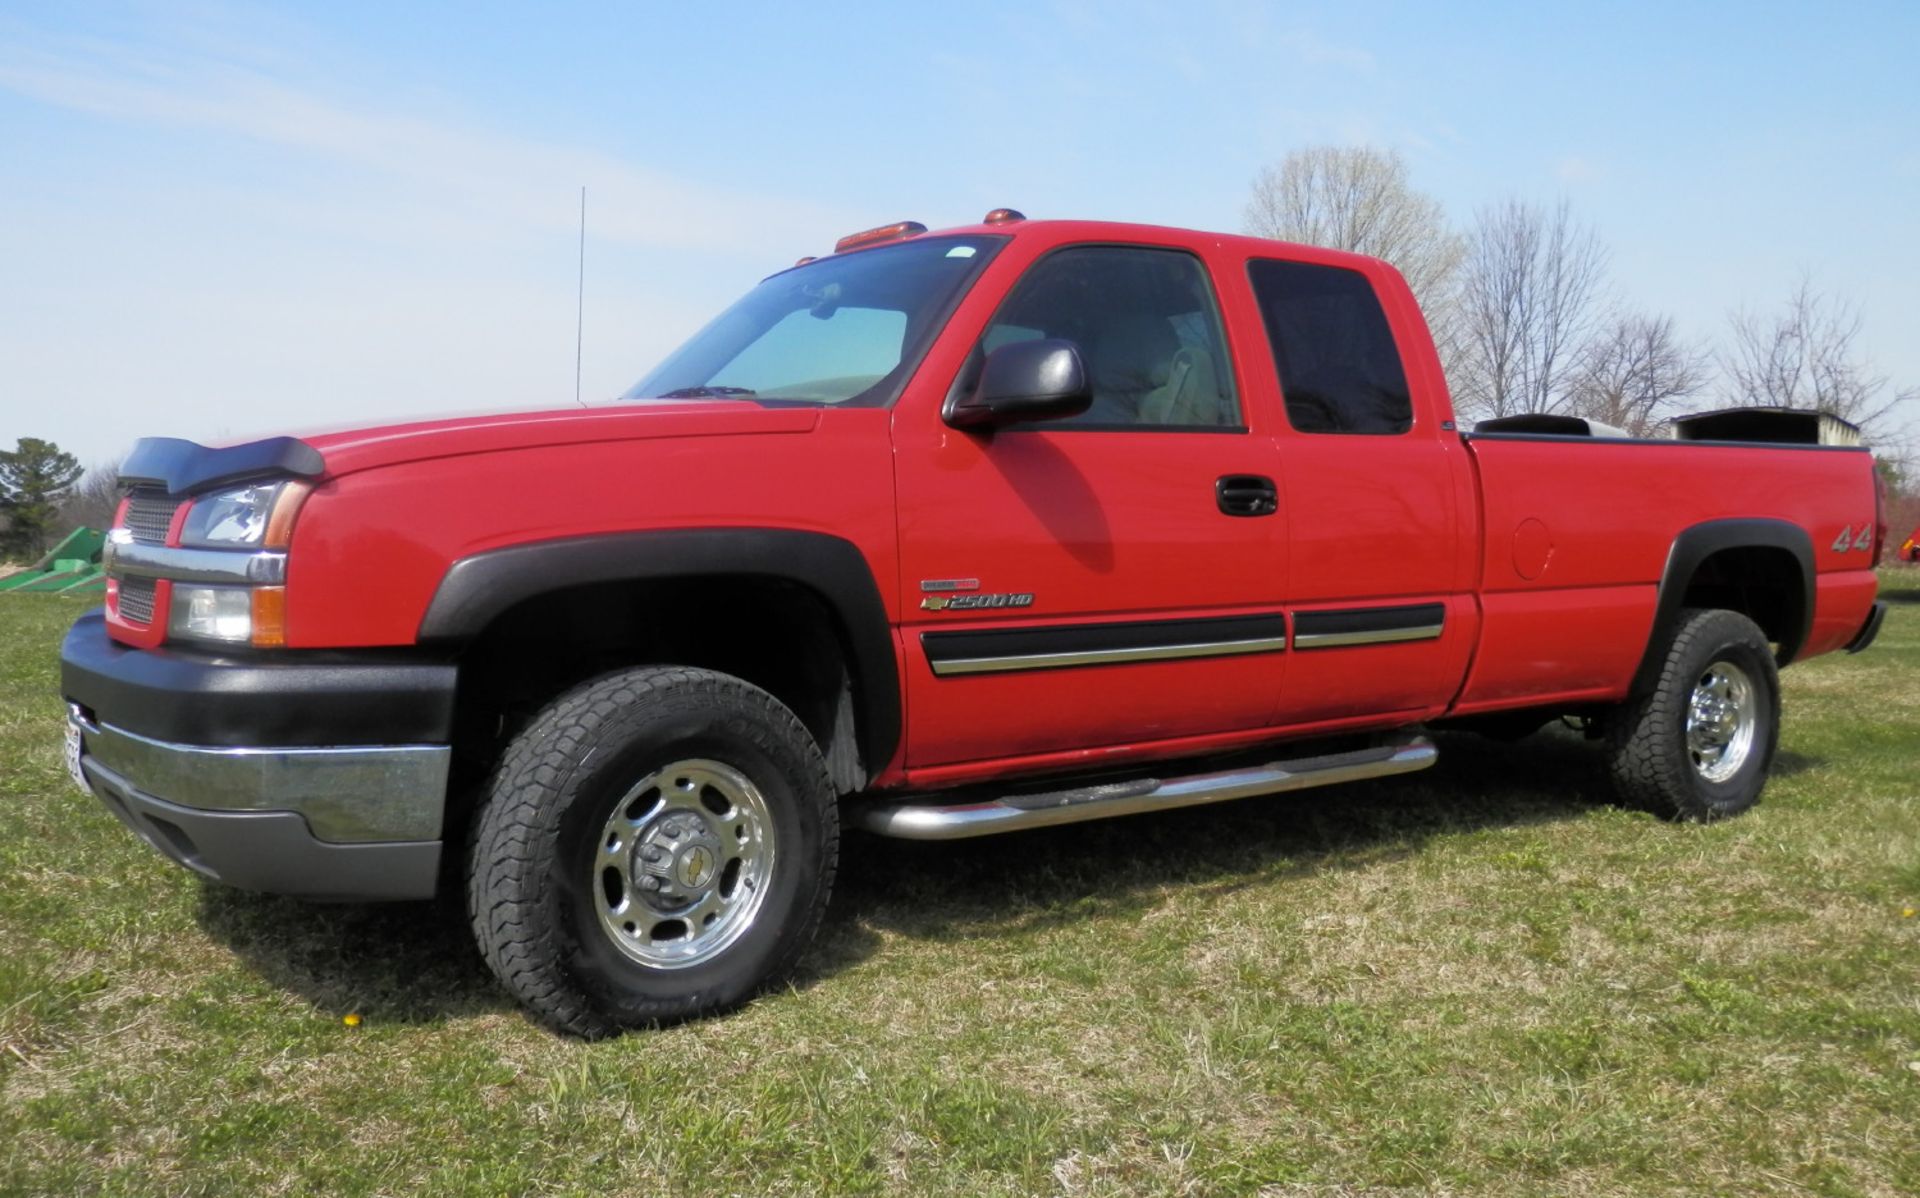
<point x="709" y="393"/>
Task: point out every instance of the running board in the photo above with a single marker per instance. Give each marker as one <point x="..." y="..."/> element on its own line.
<point x="918" y="821"/>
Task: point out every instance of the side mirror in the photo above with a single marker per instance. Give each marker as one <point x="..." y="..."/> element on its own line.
<point x="1027" y="380"/>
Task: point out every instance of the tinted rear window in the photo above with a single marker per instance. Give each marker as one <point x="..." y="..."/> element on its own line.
<point x="1339" y="369"/>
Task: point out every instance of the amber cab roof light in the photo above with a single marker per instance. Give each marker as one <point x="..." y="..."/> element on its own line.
<point x="893" y="232"/>
<point x="1003" y="216"/>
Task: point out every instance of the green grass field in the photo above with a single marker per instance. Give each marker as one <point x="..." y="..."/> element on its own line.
<point x="1482" y="979"/>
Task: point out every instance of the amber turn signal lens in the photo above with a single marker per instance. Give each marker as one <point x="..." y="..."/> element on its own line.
<point x="893" y="232"/>
<point x="286" y="506"/>
<point x="269" y="617"/>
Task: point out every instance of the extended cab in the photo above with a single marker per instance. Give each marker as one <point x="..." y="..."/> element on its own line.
<point x="942" y="534"/>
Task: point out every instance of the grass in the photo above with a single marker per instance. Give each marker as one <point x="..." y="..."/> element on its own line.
<point x="1481" y="979"/>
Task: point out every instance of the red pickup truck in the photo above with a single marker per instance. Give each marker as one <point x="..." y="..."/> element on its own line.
<point x="942" y="534"/>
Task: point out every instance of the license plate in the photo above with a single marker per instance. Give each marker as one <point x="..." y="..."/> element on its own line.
<point x="73" y="757"/>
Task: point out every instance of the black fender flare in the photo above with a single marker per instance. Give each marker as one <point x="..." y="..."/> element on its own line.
<point x="477" y="589"/>
<point x="1695" y="545"/>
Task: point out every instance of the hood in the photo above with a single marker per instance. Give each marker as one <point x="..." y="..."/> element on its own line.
<point x="350" y="450"/>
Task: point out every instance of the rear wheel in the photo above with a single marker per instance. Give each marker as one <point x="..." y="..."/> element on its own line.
<point x="658" y="844"/>
<point x="1698" y="744"/>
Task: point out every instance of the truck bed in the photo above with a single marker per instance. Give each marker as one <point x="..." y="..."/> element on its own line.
<point x="1576" y="537"/>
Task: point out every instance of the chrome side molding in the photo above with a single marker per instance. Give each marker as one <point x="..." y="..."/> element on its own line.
<point x="1378" y="636"/>
<point x="1102" y="657"/>
<point x="912" y="820"/>
<point x="1339" y="627"/>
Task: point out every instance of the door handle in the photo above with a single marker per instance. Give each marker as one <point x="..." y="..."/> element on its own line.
<point x="1246" y="495"/>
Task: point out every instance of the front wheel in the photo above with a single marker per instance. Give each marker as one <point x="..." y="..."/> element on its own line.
<point x="1698" y="744"/>
<point x="658" y="844"/>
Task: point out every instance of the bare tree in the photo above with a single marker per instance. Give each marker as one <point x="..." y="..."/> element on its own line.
<point x="1528" y="293"/>
<point x="93" y="502"/>
<point x="1903" y="516"/>
<point x="1357" y="198"/>
<point x="1804" y="357"/>
<point x="1633" y="371"/>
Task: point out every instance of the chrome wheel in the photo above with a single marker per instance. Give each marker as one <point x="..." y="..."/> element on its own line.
<point x="683" y="864"/>
<point x="1722" y="714"/>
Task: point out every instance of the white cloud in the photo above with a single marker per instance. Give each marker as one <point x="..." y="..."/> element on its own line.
<point x="1575" y="169"/>
<point x="277" y="252"/>
<point x="1318" y="51"/>
<point x="499" y="178"/>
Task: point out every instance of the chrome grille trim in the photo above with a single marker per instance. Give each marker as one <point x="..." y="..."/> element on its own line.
<point x="124" y="558"/>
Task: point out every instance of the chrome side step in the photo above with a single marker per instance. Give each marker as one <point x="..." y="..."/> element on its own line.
<point x="920" y="821"/>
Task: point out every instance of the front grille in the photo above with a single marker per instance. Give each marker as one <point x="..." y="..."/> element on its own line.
<point x="150" y="515"/>
<point x="136" y="600"/>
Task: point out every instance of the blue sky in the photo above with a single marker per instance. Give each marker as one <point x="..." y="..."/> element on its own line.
<point x="217" y="220"/>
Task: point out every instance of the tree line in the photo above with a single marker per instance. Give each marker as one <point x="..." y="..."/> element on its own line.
<point x="1525" y="319"/>
<point x="45" y="494"/>
<point x="1519" y="302"/>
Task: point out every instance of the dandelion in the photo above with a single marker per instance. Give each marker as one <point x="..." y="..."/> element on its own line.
<point x="350" y="1020"/>
<point x="1906" y="913"/>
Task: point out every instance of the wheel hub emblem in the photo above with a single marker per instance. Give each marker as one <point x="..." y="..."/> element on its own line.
<point x="696" y="866"/>
<point x="683" y="864"/>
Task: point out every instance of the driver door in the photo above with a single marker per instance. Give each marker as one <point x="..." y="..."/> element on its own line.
<point x="1077" y="587"/>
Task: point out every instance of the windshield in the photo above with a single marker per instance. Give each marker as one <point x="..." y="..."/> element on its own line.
<point x="845" y="330"/>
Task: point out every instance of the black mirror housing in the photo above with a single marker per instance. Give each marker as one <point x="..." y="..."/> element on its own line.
<point x="1025" y="381"/>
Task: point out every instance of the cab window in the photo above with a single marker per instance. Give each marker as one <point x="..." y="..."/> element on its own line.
<point x="1147" y="327"/>
<point x="1339" y="369"/>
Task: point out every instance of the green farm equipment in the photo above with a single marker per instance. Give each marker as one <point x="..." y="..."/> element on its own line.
<point x="71" y="567"/>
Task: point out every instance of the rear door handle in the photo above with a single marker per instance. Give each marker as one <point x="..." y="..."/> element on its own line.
<point x="1246" y="495"/>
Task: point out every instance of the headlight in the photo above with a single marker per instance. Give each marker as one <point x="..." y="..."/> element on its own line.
<point x="238" y="517"/>
<point x="254" y="521"/>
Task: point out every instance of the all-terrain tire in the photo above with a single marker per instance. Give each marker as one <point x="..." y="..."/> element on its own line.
<point x="1657" y="765"/>
<point x="587" y="766"/>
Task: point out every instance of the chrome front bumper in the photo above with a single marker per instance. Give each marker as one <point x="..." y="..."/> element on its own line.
<point x="347" y="795"/>
<point x="359" y="822"/>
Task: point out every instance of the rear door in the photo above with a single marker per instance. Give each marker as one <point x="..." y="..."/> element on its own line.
<point x="1080" y="586"/>
<point x="1372" y="490"/>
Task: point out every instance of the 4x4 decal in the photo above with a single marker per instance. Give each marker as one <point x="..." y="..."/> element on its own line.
<point x="1847" y="540"/>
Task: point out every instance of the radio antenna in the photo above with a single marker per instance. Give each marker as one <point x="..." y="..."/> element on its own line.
<point x="580" y="301"/>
